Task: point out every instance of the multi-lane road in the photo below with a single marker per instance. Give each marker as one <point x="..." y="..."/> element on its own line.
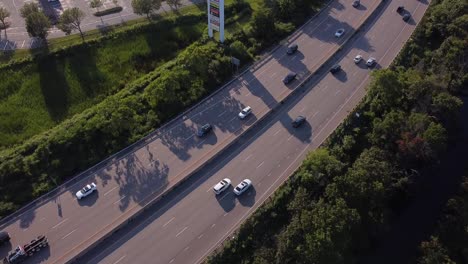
<point x="134" y="177"/>
<point x="192" y="222"/>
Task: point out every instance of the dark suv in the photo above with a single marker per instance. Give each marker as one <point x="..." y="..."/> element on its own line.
<point x="298" y="121"/>
<point x="4" y="237"/>
<point x="336" y="68"/>
<point x="289" y="78"/>
<point x="292" y="49"/>
<point x="204" y="130"/>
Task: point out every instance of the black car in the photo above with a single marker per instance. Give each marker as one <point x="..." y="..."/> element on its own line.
<point x="4" y="237"/>
<point x="400" y="9"/>
<point x="298" y="121"/>
<point x="356" y="3"/>
<point x="406" y="17"/>
<point x="290" y="77"/>
<point x="292" y="49"/>
<point x="336" y="68"/>
<point x="204" y="130"/>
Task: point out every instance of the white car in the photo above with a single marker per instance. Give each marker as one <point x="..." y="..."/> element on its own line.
<point x="242" y="187"/>
<point x="245" y="112"/>
<point x="339" y="32"/>
<point x="370" y="62"/>
<point x="222" y="185"/>
<point x="87" y="190"/>
<point x="357" y="59"/>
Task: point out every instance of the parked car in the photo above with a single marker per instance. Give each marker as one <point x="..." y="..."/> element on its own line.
<point x="370" y="62"/>
<point x="339" y="32"/>
<point x="357" y="59"/>
<point x="245" y="112"/>
<point x="400" y="9"/>
<point x="292" y="49"/>
<point x="4" y="237"/>
<point x="87" y="190"/>
<point x="298" y="121"/>
<point x="222" y="185"/>
<point x="336" y="68"/>
<point x="204" y="130"/>
<point x="242" y="187"/>
<point x="356" y="3"/>
<point x="289" y="78"/>
<point x="406" y="17"/>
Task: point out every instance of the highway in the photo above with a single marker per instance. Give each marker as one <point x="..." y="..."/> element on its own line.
<point x="191" y="223"/>
<point x="134" y="177"/>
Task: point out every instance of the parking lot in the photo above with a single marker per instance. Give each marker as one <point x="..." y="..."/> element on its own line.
<point x="17" y="37"/>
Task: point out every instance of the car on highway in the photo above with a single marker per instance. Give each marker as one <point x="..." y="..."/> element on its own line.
<point x="242" y="187"/>
<point x="370" y="62"/>
<point x="336" y="68"/>
<point x="357" y="59"/>
<point x="400" y="9"/>
<point x="406" y="17"/>
<point x="298" y="121"/>
<point x="289" y="78"/>
<point x="292" y="49"/>
<point x="205" y="129"/>
<point x="356" y="3"/>
<point x="4" y="237"/>
<point x="87" y="190"/>
<point x="222" y="185"/>
<point x="245" y="112"/>
<point x="339" y="32"/>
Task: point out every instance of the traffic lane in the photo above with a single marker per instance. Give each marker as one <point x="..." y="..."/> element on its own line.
<point x="345" y="96"/>
<point x="283" y="53"/>
<point x="232" y="171"/>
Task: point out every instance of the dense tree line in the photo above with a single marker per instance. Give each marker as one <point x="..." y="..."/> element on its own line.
<point x="449" y="243"/>
<point x="344" y="196"/>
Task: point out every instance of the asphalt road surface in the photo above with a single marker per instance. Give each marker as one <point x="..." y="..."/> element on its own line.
<point x="134" y="177"/>
<point x="189" y="224"/>
<point x="17" y="37"/>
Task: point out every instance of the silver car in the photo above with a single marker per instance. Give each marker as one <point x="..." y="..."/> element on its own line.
<point x="87" y="190"/>
<point x="242" y="187"/>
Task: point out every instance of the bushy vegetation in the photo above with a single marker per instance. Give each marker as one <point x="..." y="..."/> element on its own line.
<point x="37" y="95"/>
<point x="344" y="195"/>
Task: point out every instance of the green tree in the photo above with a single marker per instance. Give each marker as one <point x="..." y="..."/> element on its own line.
<point x="366" y="184"/>
<point x="446" y="106"/>
<point x="263" y="24"/>
<point x="4" y="14"/>
<point x="328" y="231"/>
<point x="37" y="25"/>
<point x="145" y="7"/>
<point x="174" y="4"/>
<point x="434" y="253"/>
<point x="385" y="92"/>
<point x="387" y="130"/>
<point x="71" y="20"/>
<point x="29" y="8"/>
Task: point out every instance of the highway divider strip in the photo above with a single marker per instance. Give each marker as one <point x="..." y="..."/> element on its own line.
<point x="153" y="200"/>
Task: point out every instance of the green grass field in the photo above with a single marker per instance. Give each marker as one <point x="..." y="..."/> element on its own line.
<point x="38" y="95"/>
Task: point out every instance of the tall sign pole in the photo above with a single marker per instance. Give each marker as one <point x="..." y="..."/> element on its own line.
<point x="216" y="18"/>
